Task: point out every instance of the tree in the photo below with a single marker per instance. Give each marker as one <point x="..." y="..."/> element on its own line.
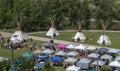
<point x="4" y="65"/>
<point x="105" y="68"/>
<point x="104" y="12"/>
<point x="80" y="13"/>
<point x="26" y="64"/>
<point x="48" y="67"/>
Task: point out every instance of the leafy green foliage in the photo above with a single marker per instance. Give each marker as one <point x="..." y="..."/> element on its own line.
<point x="48" y="67"/>
<point x="105" y="68"/>
<point x="34" y="14"/>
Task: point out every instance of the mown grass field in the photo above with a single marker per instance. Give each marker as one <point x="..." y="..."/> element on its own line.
<point x="7" y="52"/>
<point x="92" y="37"/>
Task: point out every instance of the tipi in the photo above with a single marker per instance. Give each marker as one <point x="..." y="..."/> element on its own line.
<point x="52" y="32"/>
<point x="79" y="36"/>
<point x="104" y="39"/>
<point x="18" y="35"/>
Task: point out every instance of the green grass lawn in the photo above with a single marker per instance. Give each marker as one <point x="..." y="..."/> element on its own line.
<point x="6" y="52"/>
<point x="92" y="37"/>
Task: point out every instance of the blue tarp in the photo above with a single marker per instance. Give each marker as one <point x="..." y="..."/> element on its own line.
<point x="27" y="54"/>
<point x="57" y="58"/>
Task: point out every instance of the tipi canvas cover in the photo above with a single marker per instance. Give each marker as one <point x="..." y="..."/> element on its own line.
<point x="104" y="39"/>
<point x="79" y="36"/>
<point x="18" y="35"/>
<point x="52" y="32"/>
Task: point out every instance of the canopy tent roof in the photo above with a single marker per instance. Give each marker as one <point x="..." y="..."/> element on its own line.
<point x="92" y="48"/>
<point x="39" y="65"/>
<point x="52" y="32"/>
<point x="114" y="64"/>
<point x="71" y="46"/>
<point x="3" y="58"/>
<point x="117" y="58"/>
<point x="106" y="56"/>
<point x="47" y="44"/>
<point x="84" y="60"/>
<point x="93" y="55"/>
<point x="27" y="54"/>
<point x="37" y="51"/>
<point x="61" y="46"/>
<point x="48" y="51"/>
<point x="57" y="58"/>
<point x="115" y="51"/>
<point x="102" y="49"/>
<point x="15" y="40"/>
<point x="81" y="47"/>
<point x="73" y="68"/>
<point x="83" y="63"/>
<point x="71" y="59"/>
<point x="18" y="35"/>
<point x="72" y="53"/>
<point x="61" y="53"/>
<point x="42" y="56"/>
<point x="104" y="39"/>
<point x="99" y="63"/>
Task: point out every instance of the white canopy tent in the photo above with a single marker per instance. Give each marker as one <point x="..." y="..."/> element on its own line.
<point x="99" y="63"/>
<point x="47" y="51"/>
<point x="37" y="51"/>
<point x="104" y="39"/>
<point x="81" y="47"/>
<point x="83" y="63"/>
<point x="91" y="48"/>
<point x="115" y="51"/>
<point x="71" y="46"/>
<point x="52" y="32"/>
<point x="61" y="53"/>
<point x="73" y="68"/>
<point x="18" y="35"/>
<point x="72" y="53"/>
<point x="117" y="58"/>
<point x="15" y="40"/>
<point x="3" y="58"/>
<point x="71" y="59"/>
<point x="93" y="55"/>
<point x="114" y="64"/>
<point x="106" y="56"/>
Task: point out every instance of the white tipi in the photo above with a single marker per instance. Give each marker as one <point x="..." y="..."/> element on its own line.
<point x="79" y="36"/>
<point x="52" y="32"/>
<point x="18" y="35"/>
<point x="104" y="39"/>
